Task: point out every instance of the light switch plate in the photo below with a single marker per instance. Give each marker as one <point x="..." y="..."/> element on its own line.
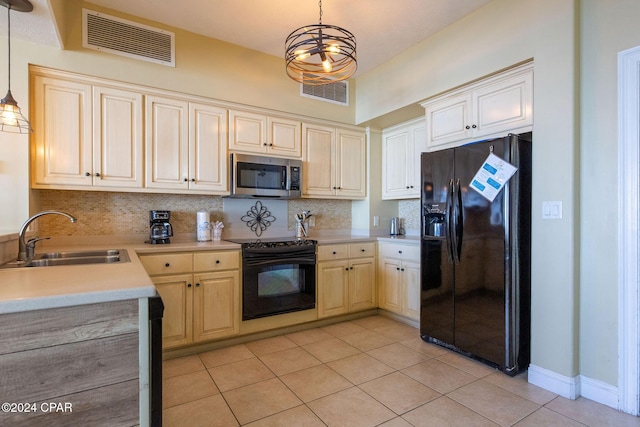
<point x="552" y="210"/>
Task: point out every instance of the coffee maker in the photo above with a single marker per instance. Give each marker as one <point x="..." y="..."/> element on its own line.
<point x="159" y="227"/>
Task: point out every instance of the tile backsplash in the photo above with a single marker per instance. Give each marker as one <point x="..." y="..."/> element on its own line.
<point x="102" y="213"/>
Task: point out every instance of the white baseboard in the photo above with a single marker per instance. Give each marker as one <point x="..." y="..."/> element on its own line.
<point x="554" y="382"/>
<point x="572" y="388"/>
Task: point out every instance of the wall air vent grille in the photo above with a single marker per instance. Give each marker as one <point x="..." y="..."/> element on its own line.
<point x="126" y="38"/>
<point x="337" y="92"/>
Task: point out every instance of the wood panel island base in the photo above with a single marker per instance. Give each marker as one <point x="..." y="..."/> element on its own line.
<point x="78" y="365"/>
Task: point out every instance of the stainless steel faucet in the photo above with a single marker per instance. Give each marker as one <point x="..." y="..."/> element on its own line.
<point x="27" y="249"/>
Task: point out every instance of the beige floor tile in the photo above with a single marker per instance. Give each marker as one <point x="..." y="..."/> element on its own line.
<point x="396" y="422"/>
<point x="300" y="416"/>
<point x="181" y="366"/>
<point x="366" y="340"/>
<point x="309" y="336"/>
<point x="226" y="355"/>
<point x="314" y="383"/>
<point x="591" y="413"/>
<point x="208" y="412"/>
<point x="398" y="392"/>
<point x="186" y="388"/>
<point x="351" y="407"/>
<point x="493" y="402"/>
<point x="547" y="418"/>
<point x="290" y="360"/>
<point x="270" y="345"/>
<point x="260" y="400"/>
<point x="446" y="412"/>
<point x="239" y="374"/>
<point x="360" y="368"/>
<point x="521" y="387"/>
<point x="439" y="376"/>
<point x="398" y="332"/>
<point x="398" y="356"/>
<point x="424" y="347"/>
<point x="342" y="329"/>
<point x="373" y="322"/>
<point x="330" y="350"/>
<point x="467" y="364"/>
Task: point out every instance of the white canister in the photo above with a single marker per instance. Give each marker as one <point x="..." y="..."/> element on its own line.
<point x="203" y="226"/>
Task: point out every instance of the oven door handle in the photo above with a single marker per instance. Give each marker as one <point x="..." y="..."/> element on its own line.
<point x="261" y="262"/>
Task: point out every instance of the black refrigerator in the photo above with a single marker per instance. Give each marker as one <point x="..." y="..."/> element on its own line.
<point x="476" y="254"/>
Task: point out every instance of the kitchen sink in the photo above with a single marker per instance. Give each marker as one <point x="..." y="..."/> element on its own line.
<point x="52" y="259"/>
<point x="79" y="254"/>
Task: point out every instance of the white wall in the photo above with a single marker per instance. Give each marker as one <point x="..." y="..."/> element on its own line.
<point x="497" y="36"/>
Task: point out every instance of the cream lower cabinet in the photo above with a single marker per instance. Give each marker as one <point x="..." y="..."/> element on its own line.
<point x="346" y="279"/>
<point x="399" y="279"/>
<point x="334" y="162"/>
<point x="200" y="292"/>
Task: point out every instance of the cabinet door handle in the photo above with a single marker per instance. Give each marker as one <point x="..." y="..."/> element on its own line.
<point x="167" y="265"/>
<point x="185" y="179"/>
<point x="397" y="268"/>
<point x="197" y="285"/>
<point x="467" y="127"/>
<point x="98" y="174"/>
<point x="87" y="174"/>
<point x="346" y="269"/>
<point x="193" y="180"/>
<point x="264" y="144"/>
<point x="474" y="126"/>
<point x="188" y="285"/>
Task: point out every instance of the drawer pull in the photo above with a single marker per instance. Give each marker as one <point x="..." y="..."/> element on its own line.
<point x="217" y="261"/>
<point x="167" y="265"/>
<point x="363" y="250"/>
<point x="399" y="252"/>
<point x="334" y="252"/>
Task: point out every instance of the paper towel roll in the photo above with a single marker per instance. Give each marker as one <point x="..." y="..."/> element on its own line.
<point x="203" y="226"/>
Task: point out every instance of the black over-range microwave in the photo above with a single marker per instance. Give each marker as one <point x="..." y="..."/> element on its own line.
<point x="263" y="176"/>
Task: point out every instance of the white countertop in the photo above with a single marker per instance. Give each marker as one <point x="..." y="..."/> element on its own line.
<point x="35" y="288"/>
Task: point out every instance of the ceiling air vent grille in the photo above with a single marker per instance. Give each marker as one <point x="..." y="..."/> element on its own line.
<point x="121" y="37"/>
<point x="337" y="92"/>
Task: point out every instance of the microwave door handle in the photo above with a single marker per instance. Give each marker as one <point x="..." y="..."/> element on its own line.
<point x="286" y="178"/>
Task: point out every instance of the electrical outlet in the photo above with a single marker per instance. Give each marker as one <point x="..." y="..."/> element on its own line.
<point x="376" y="221"/>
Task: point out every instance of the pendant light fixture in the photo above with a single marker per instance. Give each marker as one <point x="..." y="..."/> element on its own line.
<point x="320" y="54"/>
<point x="11" y="118"/>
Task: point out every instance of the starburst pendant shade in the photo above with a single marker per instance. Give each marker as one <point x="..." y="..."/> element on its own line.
<point x="320" y="54"/>
<point x="11" y="118"/>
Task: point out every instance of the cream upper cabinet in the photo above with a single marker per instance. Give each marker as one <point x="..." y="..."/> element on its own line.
<point x="185" y="146"/>
<point x="208" y="164"/>
<point x="167" y="144"/>
<point x="402" y="146"/>
<point x="492" y="107"/>
<point x="399" y="278"/>
<point x="262" y="134"/>
<point x="86" y="136"/>
<point x="334" y="162"/>
<point x="117" y="138"/>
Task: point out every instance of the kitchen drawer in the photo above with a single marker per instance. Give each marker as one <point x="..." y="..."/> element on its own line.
<point x="167" y="263"/>
<point x="217" y="260"/>
<point x="361" y="250"/>
<point x="405" y="252"/>
<point x="333" y="252"/>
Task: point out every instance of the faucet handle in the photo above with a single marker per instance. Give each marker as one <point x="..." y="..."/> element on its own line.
<point x="31" y="245"/>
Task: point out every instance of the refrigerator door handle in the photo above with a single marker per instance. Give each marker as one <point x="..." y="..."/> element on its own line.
<point x="450" y="223"/>
<point x="458" y="223"/>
